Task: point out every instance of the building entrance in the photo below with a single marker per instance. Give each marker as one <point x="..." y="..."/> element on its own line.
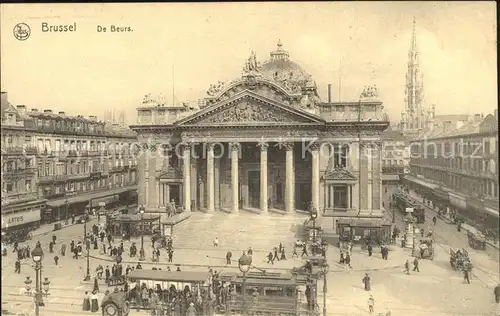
<point x="303" y="196"/>
<point x="254" y="188"/>
<point x="175" y="193"/>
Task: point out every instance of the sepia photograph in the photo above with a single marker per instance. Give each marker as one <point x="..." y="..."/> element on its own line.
<point x="250" y="158"/>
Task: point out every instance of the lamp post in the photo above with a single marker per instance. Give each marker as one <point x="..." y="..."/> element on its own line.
<point x="37" y="255"/>
<point x="244" y="264"/>
<point x="314" y="215"/>
<point x="324" y="270"/>
<point x="87" y="275"/>
<point x="142" y="256"/>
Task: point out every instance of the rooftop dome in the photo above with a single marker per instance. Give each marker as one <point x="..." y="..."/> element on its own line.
<point x="280" y="68"/>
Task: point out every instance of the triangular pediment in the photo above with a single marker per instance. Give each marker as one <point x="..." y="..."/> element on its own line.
<point x="338" y="174"/>
<point x="249" y="108"/>
<point x="171" y="174"/>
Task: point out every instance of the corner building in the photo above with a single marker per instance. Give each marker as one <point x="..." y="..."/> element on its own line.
<point x="264" y="142"/>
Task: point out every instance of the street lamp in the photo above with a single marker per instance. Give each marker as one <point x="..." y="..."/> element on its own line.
<point x="324" y="270"/>
<point x="142" y="256"/>
<point x="37" y="255"/>
<point x="314" y="215"/>
<point x="87" y="275"/>
<point x="244" y="264"/>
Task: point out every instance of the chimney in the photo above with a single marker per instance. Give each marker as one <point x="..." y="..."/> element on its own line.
<point x="62" y="113"/>
<point x="47" y="111"/>
<point x="4" y="97"/>
<point x="329" y="93"/>
<point x="34" y="110"/>
<point x="21" y="109"/>
<point x="447" y="125"/>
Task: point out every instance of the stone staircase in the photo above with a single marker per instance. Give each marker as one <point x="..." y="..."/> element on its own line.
<point x="239" y="231"/>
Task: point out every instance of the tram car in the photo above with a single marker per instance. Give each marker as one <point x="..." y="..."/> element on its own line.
<point x="402" y="201"/>
<point x="476" y="239"/>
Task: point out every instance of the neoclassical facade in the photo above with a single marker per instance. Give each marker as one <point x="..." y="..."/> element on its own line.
<point x="263" y="142"/>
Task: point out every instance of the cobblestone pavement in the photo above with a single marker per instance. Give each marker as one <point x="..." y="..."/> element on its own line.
<point x="436" y="290"/>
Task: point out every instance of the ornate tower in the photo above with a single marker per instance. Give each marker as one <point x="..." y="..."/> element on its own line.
<point x="414" y="116"/>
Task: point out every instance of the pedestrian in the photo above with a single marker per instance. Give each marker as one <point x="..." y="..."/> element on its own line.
<point x="434" y="220"/>
<point x="276" y="257"/>
<point x="294" y="253"/>
<point x="370" y="250"/>
<point x="56" y="259"/>
<point x="96" y="246"/>
<point x="138" y="266"/>
<point x="94" y="303"/>
<point x="366" y="282"/>
<point x="63" y="249"/>
<point x="17" y="267"/>
<point x="170" y="255"/>
<point x="107" y="274"/>
<point x="54" y="238"/>
<point x="347" y="261"/>
<point x="407" y="267"/>
<point x="283" y="256"/>
<point x="228" y="257"/>
<point x="422" y="232"/>
<point x="371" y="304"/>
<point x="415" y="265"/>
<point x="304" y="251"/>
<point x="216" y="242"/>
<point x="96" y="285"/>
<point x="191" y="311"/>
<point x="497" y="293"/>
<point x="466" y="276"/>
<point x="270" y="258"/>
<point x="51" y="247"/>
<point x="86" y="302"/>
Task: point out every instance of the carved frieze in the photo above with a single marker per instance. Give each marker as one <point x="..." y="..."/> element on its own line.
<point x="246" y="111"/>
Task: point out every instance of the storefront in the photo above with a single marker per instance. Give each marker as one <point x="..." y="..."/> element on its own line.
<point x="133" y="225"/>
<point x="480" y="215"/>
<point x="25" y="216"/>
<point x="359" y="230"/>
<point x="439" y="197"/>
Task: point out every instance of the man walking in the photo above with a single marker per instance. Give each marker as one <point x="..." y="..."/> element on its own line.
<point x="216" y="242"/>
<point x="371" y="304"/>
<point x="228" y="257"/>
<point x="466" y="276"/>
<point x="415" y="265"/>
<point x="407" y="267"/>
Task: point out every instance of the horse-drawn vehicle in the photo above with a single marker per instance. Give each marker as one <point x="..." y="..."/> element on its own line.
<point x="476" y="240"/>
<point x="459" y="260"/>
<point x="426" y="249"/>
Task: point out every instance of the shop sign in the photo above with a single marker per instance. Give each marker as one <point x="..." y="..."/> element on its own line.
<point x="16" y="219"/>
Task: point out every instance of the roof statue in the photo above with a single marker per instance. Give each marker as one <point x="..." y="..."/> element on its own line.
<point x="370" y="92"/>
<point x="214" y="89"/>
<point x="148" y="100"/>
<point x="251" y="64"/>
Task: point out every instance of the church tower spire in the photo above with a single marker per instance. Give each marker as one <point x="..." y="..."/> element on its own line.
<point x="414" y="87"/>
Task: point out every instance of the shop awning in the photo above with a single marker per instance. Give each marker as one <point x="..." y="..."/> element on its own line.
<point x="421" y="182"/>
<point x="355" y="222"/>
<point x="88" y="196"/>
<point x="133" y="218"/>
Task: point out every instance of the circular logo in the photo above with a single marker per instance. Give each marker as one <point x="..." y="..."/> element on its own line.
<point x="22" y="31"/>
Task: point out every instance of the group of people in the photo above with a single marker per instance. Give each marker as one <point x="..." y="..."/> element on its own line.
<point x="277" y="254"/>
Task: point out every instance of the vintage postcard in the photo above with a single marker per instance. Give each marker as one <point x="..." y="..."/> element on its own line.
<point x="280" y="158"/>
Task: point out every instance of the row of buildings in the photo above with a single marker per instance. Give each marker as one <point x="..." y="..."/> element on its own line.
<point x="55" y="165"/>
<point x="451" y="159"/>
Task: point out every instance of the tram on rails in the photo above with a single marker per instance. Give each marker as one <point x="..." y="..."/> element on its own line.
<point x="259" y="292"/>
<point x="402" y="201"/>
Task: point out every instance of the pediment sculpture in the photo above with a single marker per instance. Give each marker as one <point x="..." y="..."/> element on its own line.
<point x="148" y="100"/>
<point x="246" y="111"/>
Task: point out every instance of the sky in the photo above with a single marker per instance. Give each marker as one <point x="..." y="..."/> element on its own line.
<point x="185" y="47"/>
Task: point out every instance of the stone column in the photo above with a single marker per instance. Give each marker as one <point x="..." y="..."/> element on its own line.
<point x="217" y="183"/>
<point x="210" y="178"/>
<point x="263" y="177"/>
<point x="289" y="179"/>
<point x="167" y="194"/>
<point x="142" y="179"/>
<point x="186" y="184"/>
<point x="235" y="151"/>
<point x="315" y="177"/>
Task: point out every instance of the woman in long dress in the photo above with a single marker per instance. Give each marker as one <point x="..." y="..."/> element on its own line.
<point x="86" y="302"/>
<point x="94" y="303"/>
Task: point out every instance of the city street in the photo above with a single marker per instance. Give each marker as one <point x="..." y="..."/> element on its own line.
<point x="418" y="294"/>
